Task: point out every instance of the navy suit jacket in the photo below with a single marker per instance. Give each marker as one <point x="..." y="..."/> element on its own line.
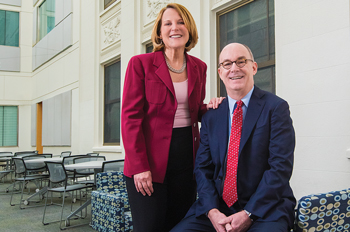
<point x="265" y="163"/>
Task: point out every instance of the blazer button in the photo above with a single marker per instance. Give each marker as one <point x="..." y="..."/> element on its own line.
<point x="195" y="138"/>
<point x="194" y="124"/>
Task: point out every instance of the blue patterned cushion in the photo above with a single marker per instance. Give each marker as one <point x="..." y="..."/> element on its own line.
<point x="328" y="212"/>
<point x="110" y="181"/>
<point x="109" y="204"/>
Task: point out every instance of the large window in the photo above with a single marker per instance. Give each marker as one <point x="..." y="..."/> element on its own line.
<point x="252" y="23"/>
<point x="8" y="125"/>
<point x="112" y="104"/>
<point x="46" y="18"/>
<point x="9" y="28"/>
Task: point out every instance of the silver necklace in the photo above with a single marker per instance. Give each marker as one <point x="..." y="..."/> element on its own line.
<point x="175" y="70"/>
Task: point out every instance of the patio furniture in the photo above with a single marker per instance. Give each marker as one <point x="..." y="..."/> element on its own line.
<point x="113" y="165"/>
<point x="25" y="173"/>
<point x="324" y="212"/>
<point x="110" y="209"/>
<point x="5" y="163"/>
<point x="65" y="153"/>
<point x="93" y="154"/>
<point x="87" y="172"/>
<point x="59" y="176"/>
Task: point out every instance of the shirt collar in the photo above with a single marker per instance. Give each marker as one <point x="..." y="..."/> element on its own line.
<point x="245" y="100"/>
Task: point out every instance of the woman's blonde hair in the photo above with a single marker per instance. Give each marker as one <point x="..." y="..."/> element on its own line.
<point x="190" y="24"/>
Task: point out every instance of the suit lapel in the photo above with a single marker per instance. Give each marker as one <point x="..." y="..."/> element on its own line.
<point x="192" y="73"/>
<point x="256" y="104"/>
<point x="222" y="127"/>
<point x="162" y="71"/>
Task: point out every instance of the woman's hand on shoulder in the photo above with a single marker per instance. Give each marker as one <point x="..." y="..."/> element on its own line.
<point x="215" y="102"/>
<point x="143" y="183"/>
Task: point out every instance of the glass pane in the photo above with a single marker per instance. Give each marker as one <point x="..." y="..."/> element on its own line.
<point x="2" y="27"/>
<point x="10" y="126"/>
<point x="254" y="25"/>
<point x="112" y="82"/>
<point x="12" y="29"/>
<point x="42" y="21"/>
<point x="149" y="48"/>
<point x="50" y="13"/>
<point x="108" y="2"/>
<point x="112" y="103"/>
<point x="112" y="123"/>
<point x="265" y="79"/>
<point x="248" y="25"/>
<point x="1" y="125"/>
<point x="46" y="18"/>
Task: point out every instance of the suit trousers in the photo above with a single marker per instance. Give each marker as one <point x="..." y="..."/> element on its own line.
<point x="203" y="224"/>
<point x="171" y="199"/>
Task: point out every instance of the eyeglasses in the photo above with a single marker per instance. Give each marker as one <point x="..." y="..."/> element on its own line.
<point x="241" y="62"/>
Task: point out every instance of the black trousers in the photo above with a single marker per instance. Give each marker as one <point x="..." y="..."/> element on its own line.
<point x="170" y="200"/>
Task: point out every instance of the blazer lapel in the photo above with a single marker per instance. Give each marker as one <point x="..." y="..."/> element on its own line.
<point x="192" y="73"/>
<point x="256" y="104"/>
<point x="162" y="71"/>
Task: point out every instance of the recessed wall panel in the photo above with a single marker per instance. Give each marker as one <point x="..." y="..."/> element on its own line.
<point x="57" y="120"/>
<point x="10" y="58"/>
<point x="59" y="9"/>
<point x="11" y="2"/>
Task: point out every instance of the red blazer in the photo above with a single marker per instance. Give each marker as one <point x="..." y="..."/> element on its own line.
<point x="148" y="111"/>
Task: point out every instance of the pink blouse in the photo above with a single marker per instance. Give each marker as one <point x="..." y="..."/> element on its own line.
<point x="182" y="114"/>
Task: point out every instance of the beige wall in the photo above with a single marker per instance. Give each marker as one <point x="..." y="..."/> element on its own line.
<point x="312" y="70"/>
<point x="312" y="66"/>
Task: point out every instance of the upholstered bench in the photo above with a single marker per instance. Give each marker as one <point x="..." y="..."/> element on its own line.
<point x="328" y="212"/>
<point x="110" y="207"/>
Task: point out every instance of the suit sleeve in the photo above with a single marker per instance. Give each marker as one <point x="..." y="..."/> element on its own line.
<point x="204" y="172"/>
<point x="274" y="187"/>
<point x="132" y="116"/>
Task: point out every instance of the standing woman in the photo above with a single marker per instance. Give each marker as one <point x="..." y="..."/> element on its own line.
<point x="162" y="104"/>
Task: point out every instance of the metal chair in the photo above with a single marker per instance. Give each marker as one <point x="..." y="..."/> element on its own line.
<point x="2" y="155"/>
<point x="113" y="165"/>
<point x="88" y="171"/>
<point x="5" y="153"/>
<point x="93" y="154"/>
<point x="25" y="173"/>
<point x="25" y="153"/>
<point x="46" y="155"/>
<point x="65" y="153"/>
<point x="5" y="164"/>
<point x="70" y="160"/>
<point x="58" y="175"/>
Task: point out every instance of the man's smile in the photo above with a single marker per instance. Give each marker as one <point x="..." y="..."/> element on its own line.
<point x="235" y="78"/>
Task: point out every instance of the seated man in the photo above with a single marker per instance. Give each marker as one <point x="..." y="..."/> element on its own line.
<point x="245" y="158"/>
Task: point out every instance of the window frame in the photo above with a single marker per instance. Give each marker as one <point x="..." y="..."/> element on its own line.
<point x="116" y="101"/>
<point x="38" y="22"/>
<point x="17" y="132"/>
<point x="261" y="65"/>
